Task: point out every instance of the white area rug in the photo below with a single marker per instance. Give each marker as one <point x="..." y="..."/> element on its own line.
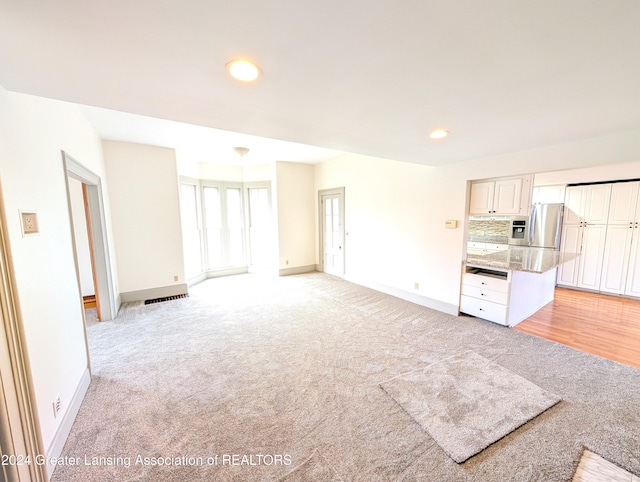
<point x="467" y="402"/>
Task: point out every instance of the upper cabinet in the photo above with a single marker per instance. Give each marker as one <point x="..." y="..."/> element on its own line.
<point x="587" y="204"/>
<point x="624" y="197"/>
<point x="501" y="196"/>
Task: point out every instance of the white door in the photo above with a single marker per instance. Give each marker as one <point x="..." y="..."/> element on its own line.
<point x="332" y="231"/>
<point x="571" y="243"/>
<point x="616" y="258"/>
<point x="593" y="238"/>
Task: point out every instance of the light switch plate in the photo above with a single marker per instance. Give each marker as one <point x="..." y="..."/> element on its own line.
<point x="451" y="224"/>
<point x="29" y="221"/>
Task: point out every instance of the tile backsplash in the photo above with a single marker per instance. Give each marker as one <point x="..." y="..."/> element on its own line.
<point x="489" y="231"/>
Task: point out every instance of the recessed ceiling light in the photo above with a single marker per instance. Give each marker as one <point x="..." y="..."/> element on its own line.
<point x="439" y="134"/>
<point x="243" y="70"/>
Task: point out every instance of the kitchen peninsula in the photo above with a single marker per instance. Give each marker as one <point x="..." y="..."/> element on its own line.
<point x="508" y="286"/>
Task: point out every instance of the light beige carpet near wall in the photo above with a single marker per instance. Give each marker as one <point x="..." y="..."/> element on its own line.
<point x="289" y="368"/>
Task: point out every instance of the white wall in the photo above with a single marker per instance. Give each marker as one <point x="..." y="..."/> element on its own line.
<point x="34" y="131"/>
<point x="81" y="237"/>
<point x="295" y="205"/>
<point x="395" y="212"/>
<point x="145" y="215"/>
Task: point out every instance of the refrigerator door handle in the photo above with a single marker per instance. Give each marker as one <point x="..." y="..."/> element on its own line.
<point x="532" y="222"/>
<point x="556" y="241"/>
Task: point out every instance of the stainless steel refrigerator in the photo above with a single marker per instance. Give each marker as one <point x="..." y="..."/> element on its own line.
<point x="545" y="225"/>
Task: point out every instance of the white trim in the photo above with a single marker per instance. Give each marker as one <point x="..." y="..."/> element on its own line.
<point x="297" y="270"/>
<point x="336" y="191"/>
<point x="437" y="305"/>
<point x="61" y="435"/>
<point x="19" y="381"/>
<point x="104" y="278"/>
<point x="153" y="293"/>
<point x="226" y="272"/>
<point x="196" y="279"/>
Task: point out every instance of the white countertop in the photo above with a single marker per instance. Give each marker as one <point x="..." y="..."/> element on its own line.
<point x="521" y="258"/>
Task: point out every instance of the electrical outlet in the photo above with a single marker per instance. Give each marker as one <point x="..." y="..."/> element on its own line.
<point x="29" y="221"/>
<point x="57" y="405"/>
<point x="175" y="278"/>
<point x="286" y="262"/>
<point x="416" y="285"/>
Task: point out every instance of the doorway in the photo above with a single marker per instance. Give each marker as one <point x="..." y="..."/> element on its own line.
<point x="331" y="228"/>
<point x="97" y="227"/>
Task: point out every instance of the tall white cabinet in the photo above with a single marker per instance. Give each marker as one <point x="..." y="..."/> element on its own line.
<point x="584" y="231"/>
<point x="602" y="223"/>
<point x="620" y="267"/>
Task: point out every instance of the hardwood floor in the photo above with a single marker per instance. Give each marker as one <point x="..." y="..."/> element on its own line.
<point x="607" y="326"/>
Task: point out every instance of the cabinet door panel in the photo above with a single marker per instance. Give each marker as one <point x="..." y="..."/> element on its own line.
<point x="574" y="203"/>
<point x="571" y="241"/>
<point x="624" y="198"/>
<point x="506" y="198"/>
<point x="616" y="258"/>
<point x="633" y="273"/>
<point x="481" y="197"/>
<point x="593" y="238"/>
<point x="597" y="207"/>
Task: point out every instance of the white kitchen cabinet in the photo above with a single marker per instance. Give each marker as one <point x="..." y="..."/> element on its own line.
<point x="506" y="297"/>
<point x="584" y="271"/>
<point x="571" y="242"/>
<point x="500" y="196"/>
<point x="624" y="201"/>
<point x="593" y="239"/>
<point x="632" y="285"/>
<point x="587" y="204"/>
<point x="485" y="294"/>
<point x="620" y="273"/>
<point x="616" y="258"/>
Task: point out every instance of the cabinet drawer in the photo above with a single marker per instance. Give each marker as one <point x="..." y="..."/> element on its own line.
<point x="481" y="281"/>
<point x="485" y="294"/>
<point x="484" y="309"/>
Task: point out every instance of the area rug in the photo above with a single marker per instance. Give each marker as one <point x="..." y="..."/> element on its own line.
<point x="466" y="402"/>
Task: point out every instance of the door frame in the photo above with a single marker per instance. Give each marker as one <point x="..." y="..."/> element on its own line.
<point x="99" y="242"/>
<point x="18" y="406"/>
<point x="337" y="191"/>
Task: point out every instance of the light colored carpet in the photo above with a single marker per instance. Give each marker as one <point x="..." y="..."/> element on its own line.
<point x="315" y="469"/>
<point x="466" y="402"/>
<point x="249" y="365"/>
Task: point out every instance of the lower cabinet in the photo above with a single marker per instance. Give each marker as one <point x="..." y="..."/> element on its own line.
<point x="506" y="297"/>
<point x="485" y="294"/>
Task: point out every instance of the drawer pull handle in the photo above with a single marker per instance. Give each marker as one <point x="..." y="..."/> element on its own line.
<point x="481" y="309"/>
<point x="483" y="283"/>
<point x="482" y="294"/>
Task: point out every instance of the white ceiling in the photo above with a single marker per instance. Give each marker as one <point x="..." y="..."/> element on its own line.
<point x="371" y="77"/>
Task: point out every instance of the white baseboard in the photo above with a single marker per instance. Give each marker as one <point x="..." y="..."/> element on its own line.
<point x="59" y="439"/>
<point x="196" y="279"/>
<point x="227" y="272"/>
<point x="437" y="305"/>
<point x="297" y="270"/>
<point x="153" y="293"/>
